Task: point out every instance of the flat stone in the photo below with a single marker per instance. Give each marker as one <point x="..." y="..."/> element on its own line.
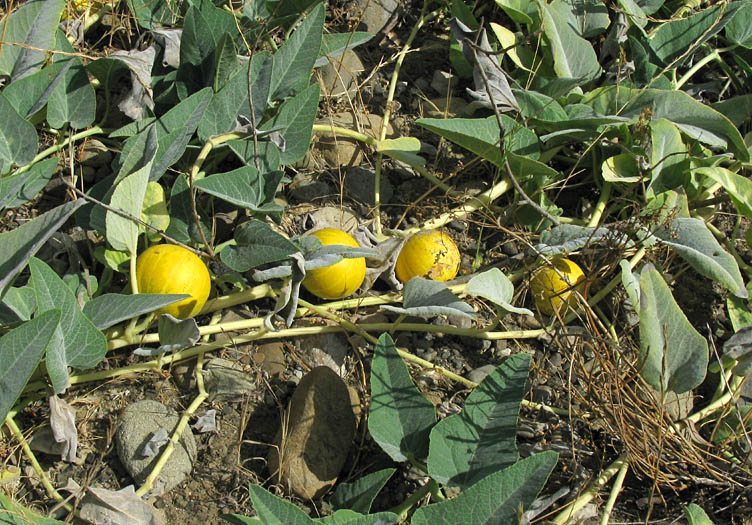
<point x="361" y="182"/>
<point x="479" y="374"/>
<point x="338" y="150"/>
<point x="271" y="358"/>
<point x="376" y="13"/>
<point x="307" y="187"/>
<point x="140" y="421"/>
<point x="340" y="75"/>
<point x="316" y="440"/>
<point x="335" y="217"/>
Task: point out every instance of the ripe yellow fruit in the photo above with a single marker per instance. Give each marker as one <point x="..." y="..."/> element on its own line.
<point x="171" y="269"/>
<point x="430" y="254"/>
<point x="550" y="291"/>
<point x="338" y="280"/>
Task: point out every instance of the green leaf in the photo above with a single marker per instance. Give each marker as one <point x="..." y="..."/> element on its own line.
<point x="739" y="311"/>
<point x="497" y="288"/>
<point x="18" y="138"/>
<point x="621" y="168"/>
<point x="257" y="244"/>
<point x="294" y="122"/>
<point x="674" y="355"/>
<point x="228" y="62"/>
<point x="359" y="494"/>
<point x="109" y="309"/>
<point x="238" y="519"/>
<point x="21" y="349"/>
<point x="400" y="418"/>
<point x="497" y="498"/>
<point x="182" y="224"/>
<point x="679" y="38"/>
<point x="695" y="119"/>
<point x="696" y="516"/>
<point x="521" y="11"/>
<point x="73" y="100"/>
<point x="739" y="28"/>
<point x="154" y="211"/>
<point x="567" y="238"/>
<point x="128" y="196"/>
<point x="591" y="17"/>
<point x="76" y="342"/>
<point x="738" y="187"/>
<point x="349" y="517"/>
<point x="696" y="244"/>
<point x="20" y="188"/>
<point x="427" y="298"/>
<point x="154" y="15"/>
<point x="273" y="510"/>
<point x="32" y="28"/>
<point x="574" y="57"/>
<point x="668" y="156"/>
<point x="242" y="187"/>
<point x="29" y="94"/>
<point x="333" y="45"/>
<point x="203" y="30"/>
<point x="23" y="242"/>
<point x="20" y="304"/>
<point x="232" y="99"/>
<point x="293" y="62"/>
<point x="482" y="439"/>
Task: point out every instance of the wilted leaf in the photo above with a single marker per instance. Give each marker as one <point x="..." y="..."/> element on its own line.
<point x="426" y="298"/>
<point x="63" y="424"/>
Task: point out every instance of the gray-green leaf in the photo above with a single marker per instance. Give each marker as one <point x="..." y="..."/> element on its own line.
<point x="497" y="288"/>
<point x="400" y="418"/>
<point x="426" y="298"/>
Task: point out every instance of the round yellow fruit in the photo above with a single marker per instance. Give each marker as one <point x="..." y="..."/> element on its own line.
<point x="171" y="269"/>
<point x="550" y="291"/>
<point x="431" y="254"/>
<point x="340" y="279"/>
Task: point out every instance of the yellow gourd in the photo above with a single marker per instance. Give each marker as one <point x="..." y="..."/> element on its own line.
<point x="340" y="279"/>
<point x="430" y="254"/>
<point x="171" y="269"/>
<point x="550" y="292"/>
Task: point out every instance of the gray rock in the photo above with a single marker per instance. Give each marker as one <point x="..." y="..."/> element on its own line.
<point x="335" y="217"/>
<point x="140" y="421"/>
<point x="360" y="183"/>
<point x="313" y="445"/>
<point x="340" y="75"/>
<point x="306" y="187"/>
<point x="327" y="350"/>
<point x="479" y="374"/>
<point x="376" y="13"/>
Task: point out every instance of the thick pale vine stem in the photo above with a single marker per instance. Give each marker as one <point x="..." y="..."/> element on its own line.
<point x="615" y="490"/>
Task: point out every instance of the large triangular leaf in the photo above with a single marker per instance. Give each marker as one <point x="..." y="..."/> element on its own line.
<point x="273" y="510"/>
<point x="109" y="309"/>
<point x="28" y="35"/>
<point x="21" y="349"/>
<point x="294" y="122"/>
<point x="574" y="57"/>
<point x="692" y="239"/>
<point x="243" y="187"/>
<point x="400" y="418"/>
<point x="18" y="138"/>
<point x="76" y="342"/>
<point x="499" y="498"/>
<point x="73" y="100"/>
<point x="738" y="187"/>
<point x="23" y="242"/>
<point x="293" y="62"/>
<point x="487" y="428"/>
<point x="497" y="288"/>
<point x="257" y="244"/>
<point x="359" y="494"/>
<point x="674" y="356"/>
